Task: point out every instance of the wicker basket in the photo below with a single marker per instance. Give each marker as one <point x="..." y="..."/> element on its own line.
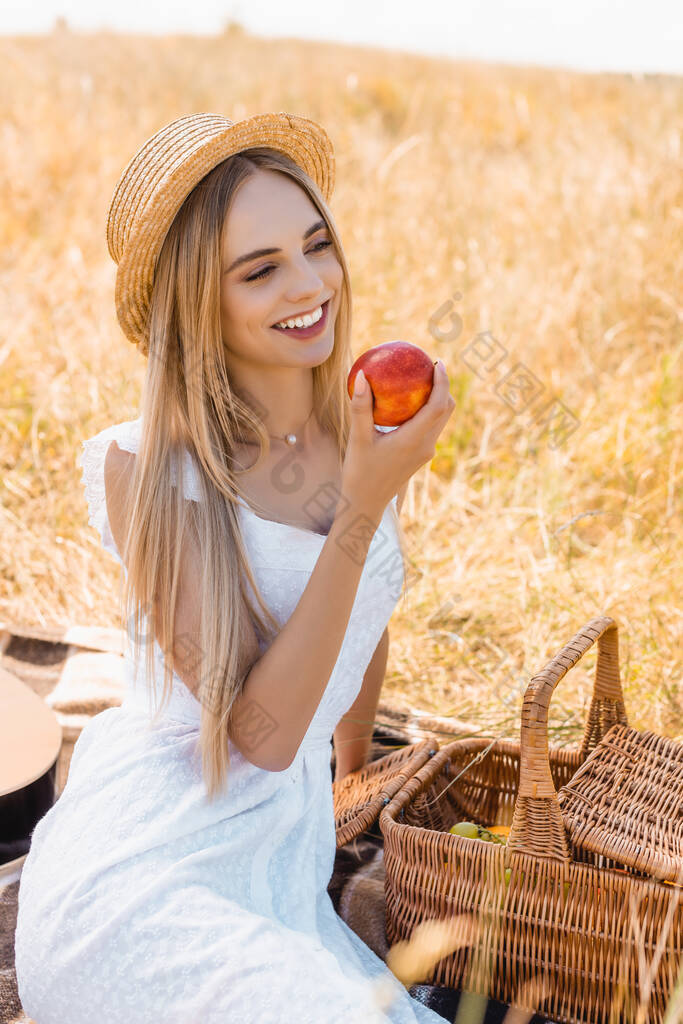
<point x="361" y="795"/>
<point x="629" y="788"/>
<point x="567" y="932"/>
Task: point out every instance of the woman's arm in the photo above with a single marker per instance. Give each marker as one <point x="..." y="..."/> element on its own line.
<point x="353" y="735"/>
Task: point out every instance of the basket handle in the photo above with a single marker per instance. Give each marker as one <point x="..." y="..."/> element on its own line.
<point x="537" y="825"/>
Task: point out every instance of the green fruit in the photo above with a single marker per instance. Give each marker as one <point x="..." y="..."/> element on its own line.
<point x="467" y="829"/>
<point x="472" y="830"/>
<point x="490" y="837"/>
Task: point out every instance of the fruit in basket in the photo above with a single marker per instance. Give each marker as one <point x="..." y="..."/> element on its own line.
<point x="401" y="376"/>
<point x="472" y="830"/>
<point x="466" y="829"/>
<point x="490" y="837"/>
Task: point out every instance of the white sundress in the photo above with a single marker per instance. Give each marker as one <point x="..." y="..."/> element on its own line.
<point x="140" y="902"/>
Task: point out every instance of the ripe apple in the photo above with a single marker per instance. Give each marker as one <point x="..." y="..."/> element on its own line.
<point x="401" y="376"/>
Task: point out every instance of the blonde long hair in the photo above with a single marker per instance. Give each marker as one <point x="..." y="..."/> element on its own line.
<point x="190" y="405"/>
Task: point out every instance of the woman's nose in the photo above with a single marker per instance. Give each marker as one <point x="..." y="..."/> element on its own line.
<point x="303" y="279"/>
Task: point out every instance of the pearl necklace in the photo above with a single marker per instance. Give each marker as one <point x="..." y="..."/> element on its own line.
<point x="290" y="439"/>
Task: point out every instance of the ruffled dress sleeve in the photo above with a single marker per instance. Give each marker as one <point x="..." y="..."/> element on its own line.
<point x="91" y="462"/>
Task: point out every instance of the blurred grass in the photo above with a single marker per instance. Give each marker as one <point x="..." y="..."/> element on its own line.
<point x="545" y="206"/>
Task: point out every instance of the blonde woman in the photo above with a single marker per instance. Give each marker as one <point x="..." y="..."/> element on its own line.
<point x="182" y="874"/>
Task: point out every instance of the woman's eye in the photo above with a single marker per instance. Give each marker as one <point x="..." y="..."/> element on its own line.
<point x="267" y="270"/>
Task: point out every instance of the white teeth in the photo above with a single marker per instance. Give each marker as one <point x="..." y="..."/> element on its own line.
<point x="303" y="321"/>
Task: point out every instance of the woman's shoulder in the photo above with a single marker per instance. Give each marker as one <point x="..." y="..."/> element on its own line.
<point x="115" y="448"/>
<point x="119" y="466"/>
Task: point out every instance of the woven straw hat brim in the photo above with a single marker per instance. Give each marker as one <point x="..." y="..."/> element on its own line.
<point x="162" y="174"/>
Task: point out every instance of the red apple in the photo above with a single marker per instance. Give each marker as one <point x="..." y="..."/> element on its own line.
<point x="401" y="376"/>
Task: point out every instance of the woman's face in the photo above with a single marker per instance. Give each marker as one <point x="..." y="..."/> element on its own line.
<point x="270" y="211"/>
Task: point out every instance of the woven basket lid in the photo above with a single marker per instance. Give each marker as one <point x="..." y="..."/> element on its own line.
<point x="626" y="802"/>
<point x="361" y="796"/>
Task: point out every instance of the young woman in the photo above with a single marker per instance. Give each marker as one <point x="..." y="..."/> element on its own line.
<point x="182" y="874"/>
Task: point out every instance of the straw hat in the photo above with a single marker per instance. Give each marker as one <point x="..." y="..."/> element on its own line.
<point x="164" y="171"/>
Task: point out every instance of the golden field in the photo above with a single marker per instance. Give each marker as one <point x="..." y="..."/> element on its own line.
<point x="542" y="208"/>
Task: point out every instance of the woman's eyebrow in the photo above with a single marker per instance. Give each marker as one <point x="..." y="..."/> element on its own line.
<point x="268" y="252"/>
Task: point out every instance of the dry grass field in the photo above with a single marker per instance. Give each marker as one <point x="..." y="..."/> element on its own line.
<point x="523" y="224"/>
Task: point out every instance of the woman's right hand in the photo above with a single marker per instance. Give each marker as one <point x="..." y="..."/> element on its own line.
<point x="377" y="464"/>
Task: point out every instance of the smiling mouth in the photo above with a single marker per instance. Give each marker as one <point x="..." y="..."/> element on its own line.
<point x="306" y="332"/>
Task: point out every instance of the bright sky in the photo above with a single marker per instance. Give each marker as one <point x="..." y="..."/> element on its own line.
<point x="589" y="35"/>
